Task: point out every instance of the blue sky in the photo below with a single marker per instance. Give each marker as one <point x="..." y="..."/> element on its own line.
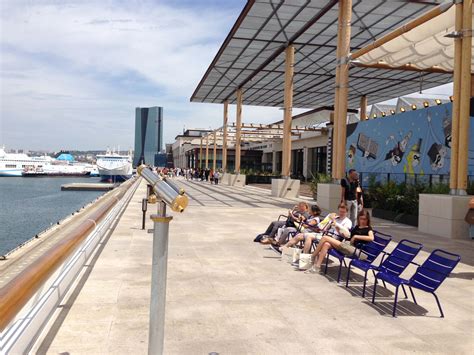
<point x="73" y="71"/>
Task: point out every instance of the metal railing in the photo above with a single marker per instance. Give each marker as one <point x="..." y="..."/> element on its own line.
<point x="18" y="291"/>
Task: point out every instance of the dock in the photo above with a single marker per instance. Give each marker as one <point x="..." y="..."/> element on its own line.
<point x="226" y="294"/>
<point x="80" y="186"/>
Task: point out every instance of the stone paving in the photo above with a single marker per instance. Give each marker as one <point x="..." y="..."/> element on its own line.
<point x="228" y="295"/>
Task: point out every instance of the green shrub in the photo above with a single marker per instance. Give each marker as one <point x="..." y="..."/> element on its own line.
<point x="318" y="178"/>
<point x="401" y="197"/>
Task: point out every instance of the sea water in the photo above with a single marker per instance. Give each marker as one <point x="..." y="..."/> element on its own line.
<point x="30" y="205"/>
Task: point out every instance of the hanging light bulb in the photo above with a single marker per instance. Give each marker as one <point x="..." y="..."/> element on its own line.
<point x="426" y="104"/>
<point x="402" y="109"/>
<point x="413" y="107"/>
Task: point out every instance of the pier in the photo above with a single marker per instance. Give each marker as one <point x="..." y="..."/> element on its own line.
<point x="226" y="294"/>
<point x="88" y="187"/>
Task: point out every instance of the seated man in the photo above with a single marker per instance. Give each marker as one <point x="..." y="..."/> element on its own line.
<point x="311" y="222"/>
<point x="298" y="214"/>
<point x="337" y="226"/>
<point x="360" y="235"/>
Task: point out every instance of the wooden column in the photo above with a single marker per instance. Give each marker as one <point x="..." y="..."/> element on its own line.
<point x="238" y="123"/>
<point x="287" y="110"/>
<point x="224" y="131"/>
<point x="453" y="176"/>
<point x="200" y="155"/>
<point x="207" y="152"/>
<point x="465" y="95"/>
<point x="214" y="161"/>
<point x="335" y="128"/>
<point x="363" y="107"/>
<point x="345" y="8"/>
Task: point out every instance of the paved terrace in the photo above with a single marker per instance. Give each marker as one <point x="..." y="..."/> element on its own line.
<point x="228" y="295"/>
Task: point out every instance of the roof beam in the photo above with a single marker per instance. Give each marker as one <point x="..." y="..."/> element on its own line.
<point x="407" y="67"/>
<point x="281" y="49"/>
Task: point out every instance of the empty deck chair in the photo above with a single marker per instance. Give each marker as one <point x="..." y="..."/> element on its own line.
<point x="428" y="276"/>
<point x="371" y="250"/>
<point x="393" y="263"/>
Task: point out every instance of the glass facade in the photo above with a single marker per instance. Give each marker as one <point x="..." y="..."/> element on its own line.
<point x="148" y="135"/>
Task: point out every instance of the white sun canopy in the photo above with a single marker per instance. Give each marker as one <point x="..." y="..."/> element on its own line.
<point x="425" y="46"/>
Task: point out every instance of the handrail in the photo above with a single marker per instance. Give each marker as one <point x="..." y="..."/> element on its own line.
<point x="18" y="291"/>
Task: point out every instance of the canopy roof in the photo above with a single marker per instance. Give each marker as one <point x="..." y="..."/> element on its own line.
<point x="425" y="46"/>
<point x="252" y="56"/>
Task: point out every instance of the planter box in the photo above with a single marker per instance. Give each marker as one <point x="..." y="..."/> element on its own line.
<point x="260" y="179"/>
<point x="404" y="218"/>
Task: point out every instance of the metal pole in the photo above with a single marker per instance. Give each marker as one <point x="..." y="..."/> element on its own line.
<point x="158" y="280"/>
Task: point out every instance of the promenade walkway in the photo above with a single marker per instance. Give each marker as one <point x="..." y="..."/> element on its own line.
<point x="231" y="296"/>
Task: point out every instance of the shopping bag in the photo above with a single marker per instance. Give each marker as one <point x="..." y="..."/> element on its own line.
<point x="296" y="255"/>
<point x="305" y="261"/>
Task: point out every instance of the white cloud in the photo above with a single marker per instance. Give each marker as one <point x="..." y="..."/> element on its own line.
<point x="72" y="72"/>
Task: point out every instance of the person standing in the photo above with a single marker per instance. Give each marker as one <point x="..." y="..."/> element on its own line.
<point x="349" y="187"/>
<point x="216" y="177"/>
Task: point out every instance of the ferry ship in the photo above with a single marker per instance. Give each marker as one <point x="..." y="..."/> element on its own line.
<point x="13" y="164"/>
<point x="114" y="167"/>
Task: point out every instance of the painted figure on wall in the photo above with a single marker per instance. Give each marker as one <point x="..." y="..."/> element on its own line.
<point x="396" y="154"/>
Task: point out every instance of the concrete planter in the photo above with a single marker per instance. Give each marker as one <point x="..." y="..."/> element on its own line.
<point x="329" y="196"/>
<point x="443" y="215"/>
<point x="286" y="188"/>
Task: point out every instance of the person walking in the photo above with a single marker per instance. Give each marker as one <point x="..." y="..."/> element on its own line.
<point x="216" y="177"/>
<point x="349" y="187"/>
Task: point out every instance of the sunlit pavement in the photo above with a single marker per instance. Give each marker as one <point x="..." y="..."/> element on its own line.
<point x="229" y="295"/>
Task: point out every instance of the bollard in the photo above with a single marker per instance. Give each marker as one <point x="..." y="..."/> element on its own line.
<point x="158" y="280"/>
<point x="144" y="208"/>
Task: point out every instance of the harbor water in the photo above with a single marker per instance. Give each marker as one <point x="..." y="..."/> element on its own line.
<point x="30" y="205"/>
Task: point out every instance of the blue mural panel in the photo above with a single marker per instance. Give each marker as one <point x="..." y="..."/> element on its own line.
<point x="413" y="142"/>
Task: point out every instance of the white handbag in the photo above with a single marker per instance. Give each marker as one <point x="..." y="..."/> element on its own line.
<point x="305" y="261"/>
<point x="296" y="254"/>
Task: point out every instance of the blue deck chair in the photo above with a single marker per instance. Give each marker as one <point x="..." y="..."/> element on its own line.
<point x="393" y="263"/>
<point x="372" y="250"/>
<point x="428" y="276"/>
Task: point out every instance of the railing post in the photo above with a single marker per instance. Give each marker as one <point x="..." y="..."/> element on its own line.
<point x="158" y="280"/>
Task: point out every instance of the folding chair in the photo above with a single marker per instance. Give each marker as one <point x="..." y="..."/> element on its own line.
<point x="372" y="250"/>
<point x="395" y="263"/>
<point x="428" y="276"/>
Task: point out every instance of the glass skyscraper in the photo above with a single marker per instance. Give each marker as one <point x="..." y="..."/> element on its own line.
<point x="148" y="135"/>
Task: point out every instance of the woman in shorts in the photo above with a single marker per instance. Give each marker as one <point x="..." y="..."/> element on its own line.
<point x="360" y="235"/>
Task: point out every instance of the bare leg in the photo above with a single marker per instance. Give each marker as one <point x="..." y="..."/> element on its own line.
<point x="324" y="245"/>
<point x="298" y="238"/>
<point x="307" y="244"/>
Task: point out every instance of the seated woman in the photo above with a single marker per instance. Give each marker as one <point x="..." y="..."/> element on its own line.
<point x="311" y="222"/>
<point x="361" y="234"/>
<point x="298" y="214"/>
<point x="337" y="226"/>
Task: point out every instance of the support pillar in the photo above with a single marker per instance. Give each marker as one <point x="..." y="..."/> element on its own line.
<point x="200" y="155"/>
<point x="287" y="111"/>
<point x="214" y="161"/>
<point x="207" y="152"/>
<point x="238" y="123"/>
<point x="286" y="187"/>
<point x="453" y="175"/>
<point x="224" y="131"/>
<point x="363" y="107"/>
<point x="465" y="96"/>
<point x="342" y="81"/>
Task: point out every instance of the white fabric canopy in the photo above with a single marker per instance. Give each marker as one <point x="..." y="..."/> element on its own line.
<point x="423" y="47"/>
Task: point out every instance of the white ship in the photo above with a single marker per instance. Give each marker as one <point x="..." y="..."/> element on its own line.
<point x="114" y="167"/>
<point x="13" y="164"/>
